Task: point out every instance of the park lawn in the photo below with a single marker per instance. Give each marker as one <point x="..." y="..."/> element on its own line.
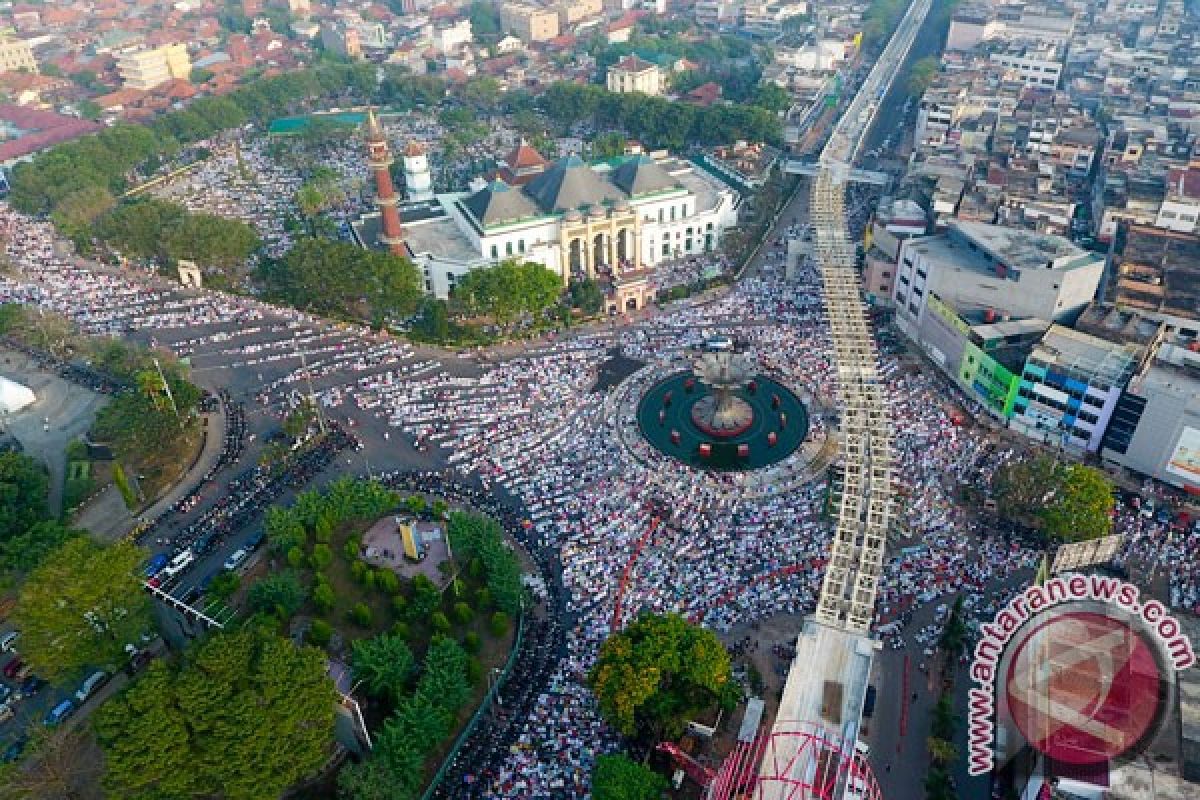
<point x="163" y="468"/>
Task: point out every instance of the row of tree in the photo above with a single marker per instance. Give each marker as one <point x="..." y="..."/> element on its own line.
<point x="657" y="121"/>
<point x="158" y="230"/>
<point x="113" y="156"/>
<point x="475" y="537"/>
<point x="421" y="722"/>
<point x="246" y="711"/>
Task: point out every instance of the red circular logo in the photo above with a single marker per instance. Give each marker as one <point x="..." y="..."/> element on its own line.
<point x="1083" y="688"/>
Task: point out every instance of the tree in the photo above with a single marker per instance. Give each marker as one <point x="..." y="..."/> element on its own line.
<point x="508" y="290"/>
<point x="439" y="622"/>
<point x="941" y="751"/>
<point x="284" y="529"/>
<point x="386" y="664"/>
<point x="23" y="489"/>
<point x="922" y="74"/>
<point x="498" y="624"/>
<point x="77" y="213"/>
<point x="772" y="97"/>
<point x="360" y="615"/>
<point x="211" y="241"/>
<point x="475" y="536"/>
<point x="342" y="279"/>
<point x="136" y="229"/>
<point x="650" y="677"/>
<point x="322" y="556"/>
<point x="24" y="551"/>
<point x="320" y="632"/>
<point x="1081" y="507"/>
<point x="246" y="711"/>
<point x="587" y="296"/>
<point x="280" y="594"/>
<point x="617" y="777"/>
<point x="81" y="606"/>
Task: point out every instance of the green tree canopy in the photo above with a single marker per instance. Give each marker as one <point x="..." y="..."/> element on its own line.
<point x="921" y="75"/>
<point x="618" y="777"/>
<point x="281" y="594"/>
<point x="344" y="280"/>
<point x="81" y="606"/>
<point x="386" y="664"/>
<point x="23" y="487"/>
<point x="508" y="290"/>
<point x="1069" y="502"/>
<point x="650" y="677"/>
<point x="247" y="712"/>
<point x="212" y="241"/>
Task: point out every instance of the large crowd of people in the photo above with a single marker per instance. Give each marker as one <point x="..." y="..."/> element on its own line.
<point x="617" y="527"/>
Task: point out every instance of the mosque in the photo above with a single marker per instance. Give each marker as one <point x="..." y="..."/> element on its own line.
<point x="611" y="221"/>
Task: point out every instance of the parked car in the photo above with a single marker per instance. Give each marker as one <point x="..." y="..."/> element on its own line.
<point x="14" y="750"/>
<point x="256" y="540"/>
<point x="155" y="565"/>
<point x="32" y="685"/>
<point x="93" y="682"/>
<point x="204" y="543"/>
<point x="6" y="712"/>
<point x="7" y="641"/>
<point x="59" y="713"/>
<point x="13" y="665"/>
<point x="235" y="559"/>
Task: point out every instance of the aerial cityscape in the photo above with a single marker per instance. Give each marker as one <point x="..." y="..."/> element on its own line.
<point x="613" y="399"/>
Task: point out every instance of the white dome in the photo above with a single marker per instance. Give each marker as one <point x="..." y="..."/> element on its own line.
<point x="14" y="396"/>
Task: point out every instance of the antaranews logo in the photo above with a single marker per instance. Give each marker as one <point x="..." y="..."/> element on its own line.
<point x="1079" y="666"/>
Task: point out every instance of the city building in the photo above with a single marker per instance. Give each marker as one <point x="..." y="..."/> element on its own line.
<point x="571" y="12"/>
<point x="633" y="74"/>
<point x="339" y="37"/>
<point x="529" y="23"/>
<point x="976" y="267"/>
<point x="609" y="221"/>
<point x="16" y="54"/>
<point x="1180" y="209"/>
<point x="146" y="69"/>
<point x="1070" y="387"/>
<point x="1158" y="272"/>
<point x="1037" y="65"/>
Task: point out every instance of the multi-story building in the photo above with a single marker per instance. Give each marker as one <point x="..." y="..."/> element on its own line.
<point x="975" y="267"/>
<point x="1037" y="65"/>
<point x="342" y="38"/>
<point x="573" y="11"/>
<point x="1070" y="386"/>
<point x="1158" y="273"/>
<point x="146" y="69"/>
<point x="1155" y="429"/>
<point x="1180" y="209"/>
<point x="447" y="38"/>
<point x="15" y="55"/>
<point x="528" y="22"/>
<point x="609" y="221"/>
<point x="633" y="74"/>
<point x="715" y="13"/>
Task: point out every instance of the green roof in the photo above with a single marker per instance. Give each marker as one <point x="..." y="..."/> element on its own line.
<point x="290" y="126"/>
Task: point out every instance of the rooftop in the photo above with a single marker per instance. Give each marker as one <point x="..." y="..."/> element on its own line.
<point x="989" y="248"/>
<point x="1076" y="352"/>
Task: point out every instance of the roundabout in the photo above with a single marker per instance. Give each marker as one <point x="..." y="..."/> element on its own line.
<point x="723" y="415"/>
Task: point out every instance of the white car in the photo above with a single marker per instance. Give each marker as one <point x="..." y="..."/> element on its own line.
<point x="7" y="641"/>
<point x="179" y="563"/>
<point x="93" y="682"/>
<point x="235" y="559"/>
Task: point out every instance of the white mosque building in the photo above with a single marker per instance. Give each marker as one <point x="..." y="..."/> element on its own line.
<point x="612" y="221"/>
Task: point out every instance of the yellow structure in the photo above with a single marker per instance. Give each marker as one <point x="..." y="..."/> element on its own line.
<point x="16" y="54"/>
<point x="572" y="11"/>
<point x="529" y="23"/>
<point x="607" y="243"/>
<point x="146" y="69"/>
<point x="413" y="550"/>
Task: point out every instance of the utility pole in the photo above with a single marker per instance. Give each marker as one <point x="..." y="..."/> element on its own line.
<point x="312" y="397"/>
<point x="167" y="389"/>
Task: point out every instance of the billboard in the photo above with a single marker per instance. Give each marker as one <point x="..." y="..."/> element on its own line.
<point x="1185" y="461"/>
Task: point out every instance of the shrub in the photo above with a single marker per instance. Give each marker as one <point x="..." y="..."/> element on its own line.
<point x="320" y="633"/>
<point x="387" y="582"/>
<point x="360" y="615"/>
<point x="474" y="671"/>
<point x="322" y="556"/>
<point x="402" y="630"/>
<point x="359" y="570"/>
<point x="400" y="604"/>
<point x="295" y="557"/>
<point x="475" y="568"/>
<point x="498" y="624"/>
<point x="439" y="622"/>
<point x="483" y="599"/>
<point x="323" y="597"/>
<point x="462" y="613"/>
<point x="351" y="548"/>
<point x="471" y="642"/>
<point x="368" y="579"/>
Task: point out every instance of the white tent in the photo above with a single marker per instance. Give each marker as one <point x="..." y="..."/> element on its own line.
<point x="14" y="396"/>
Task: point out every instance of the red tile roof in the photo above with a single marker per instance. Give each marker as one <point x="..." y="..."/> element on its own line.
<point x="47" y="129"/>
